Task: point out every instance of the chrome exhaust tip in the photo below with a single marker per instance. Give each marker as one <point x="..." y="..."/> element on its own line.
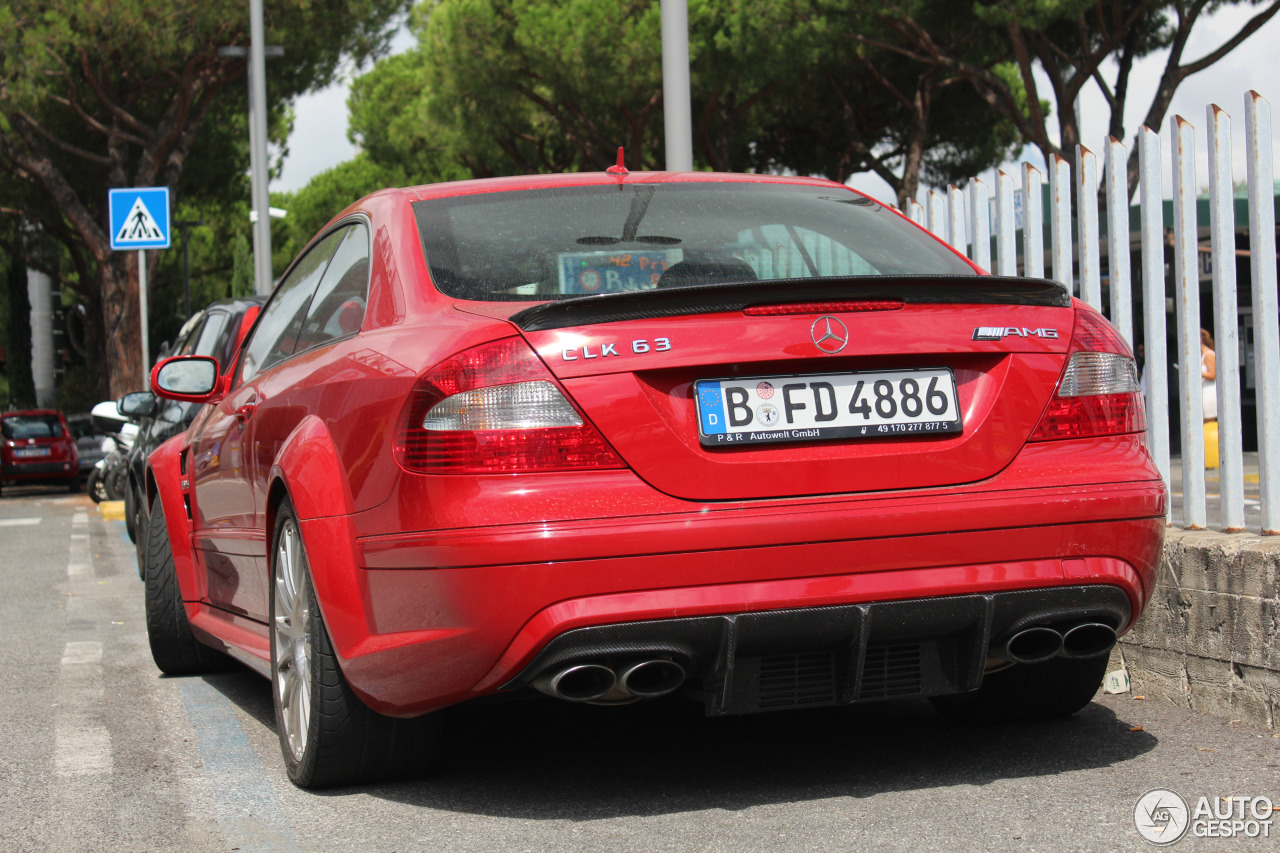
<point x="583" y="682"/>
<point x="649" y="679"/>
<point x="1033" y="645"/>
<point x="1088" y="640"/>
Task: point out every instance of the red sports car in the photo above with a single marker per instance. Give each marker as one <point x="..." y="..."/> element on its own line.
<point x="759" y="440"/>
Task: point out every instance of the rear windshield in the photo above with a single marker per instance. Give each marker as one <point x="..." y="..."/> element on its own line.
<point x="572" y="241"/>
<point x="31" y="426"/>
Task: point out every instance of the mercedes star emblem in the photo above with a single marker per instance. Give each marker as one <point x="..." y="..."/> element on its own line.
<point x="829" y="335"/>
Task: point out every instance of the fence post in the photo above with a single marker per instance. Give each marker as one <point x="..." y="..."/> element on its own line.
<point x="1187" y="296"/>
<point x="1087" y="215"/>
<point x="979" y="224"/>
<point x="1006" y="243"/>
<point x="1266" y="336"/>
<point x="1222" y="233"/>
<point x="955" y="211"/>
<point x="1060" y="220"/>
<point x="1118" y="238"/>
<point x="1032" y="223"/>
<point x="938" y="216"/>
<point x="915" y="212"/>
<point x="1155" y="371"/>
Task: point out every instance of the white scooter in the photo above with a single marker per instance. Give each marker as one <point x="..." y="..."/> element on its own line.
<point x="110" y="475"/>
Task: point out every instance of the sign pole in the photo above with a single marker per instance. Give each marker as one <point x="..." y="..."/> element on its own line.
<point x="142" y="311"/>
<point x="140" y="220"/>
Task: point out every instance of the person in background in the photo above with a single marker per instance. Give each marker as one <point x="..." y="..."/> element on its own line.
<point x="1209" y="398"/>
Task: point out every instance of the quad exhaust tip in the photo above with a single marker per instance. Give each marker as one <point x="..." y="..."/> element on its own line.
<point x="1033" y="645"/>
<point x="584" y="682"/>
<point x="601" y="684"/>
<point x="1041" y="643"/>
<point x="649" y="679"/>
<point x="1088" y="640"/>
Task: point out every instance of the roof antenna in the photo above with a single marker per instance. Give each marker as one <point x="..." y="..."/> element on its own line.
<point x="621" y="167"/>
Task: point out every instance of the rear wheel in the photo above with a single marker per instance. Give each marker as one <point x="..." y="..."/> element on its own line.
<point x="327" y="735"/>
<point x="1056" y="688"/>
<point x="96" y="486"/>
<point x="174" y="648"/>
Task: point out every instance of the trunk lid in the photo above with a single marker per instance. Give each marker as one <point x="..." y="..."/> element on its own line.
<point x="633" y="363"/>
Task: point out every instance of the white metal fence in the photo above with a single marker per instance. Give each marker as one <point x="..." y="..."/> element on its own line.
<point x="963" y="219"/>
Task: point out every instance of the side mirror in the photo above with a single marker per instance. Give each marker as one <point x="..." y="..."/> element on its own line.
<point x="190" y="378"/>
<point x="138" y="404"/>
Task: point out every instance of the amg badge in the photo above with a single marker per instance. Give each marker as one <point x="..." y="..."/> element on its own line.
<point x="998" y="333"/>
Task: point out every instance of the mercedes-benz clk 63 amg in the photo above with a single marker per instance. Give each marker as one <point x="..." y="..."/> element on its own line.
<point x="761" y="441"/>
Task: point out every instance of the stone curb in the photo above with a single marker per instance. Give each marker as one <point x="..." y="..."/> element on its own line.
<point x="1210" y="637"/>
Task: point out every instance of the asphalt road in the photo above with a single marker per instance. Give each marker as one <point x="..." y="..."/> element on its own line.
<point x="98" y="752"/>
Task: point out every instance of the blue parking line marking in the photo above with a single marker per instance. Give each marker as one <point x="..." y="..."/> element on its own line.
<point x="248" y="811"/>
<point x="124" y="537"/>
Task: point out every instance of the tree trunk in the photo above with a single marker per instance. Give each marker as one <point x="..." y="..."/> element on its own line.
<point x="118" y="274"/>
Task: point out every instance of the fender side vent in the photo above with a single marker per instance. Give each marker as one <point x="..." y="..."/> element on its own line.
<point x="891" y="670"/>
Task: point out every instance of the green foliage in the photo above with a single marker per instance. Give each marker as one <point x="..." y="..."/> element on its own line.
<point x="97" y="94"/>
<point x="324" y="197"/>
<point x="80" y="389"/>
<point x="500" y="87"/>
<point x="241" y="267"/>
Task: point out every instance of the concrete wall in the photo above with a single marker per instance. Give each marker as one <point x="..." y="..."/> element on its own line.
<point x="1210" y="638"/>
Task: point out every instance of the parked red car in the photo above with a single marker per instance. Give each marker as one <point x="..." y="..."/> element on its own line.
<point x="611" y="436"/>
<point x="38" y="449"/>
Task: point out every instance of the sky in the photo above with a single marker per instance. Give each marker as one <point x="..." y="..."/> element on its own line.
<point x="319" y="140"/>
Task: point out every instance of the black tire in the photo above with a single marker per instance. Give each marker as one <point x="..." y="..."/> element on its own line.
<point x="1056" y="688"/>
<point x="327" y="735"/>
<point x="130" y="513"/>
<point x="74" y="486"/>
<point x="140" y="530"/>
<point x="96" y="487"/>
<point x="117" y="482"/>
<point x="174" y="648"/>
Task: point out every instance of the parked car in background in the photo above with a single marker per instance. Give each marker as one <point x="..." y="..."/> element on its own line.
<point x="759" y="440"/>
<point x="38" y="449"/>
<point x="216" y="331"/>
<point x="89" y="439"/>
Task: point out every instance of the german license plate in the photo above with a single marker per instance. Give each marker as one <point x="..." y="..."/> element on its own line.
<point x="30" y="452"/>
<point x="869" y="404"/>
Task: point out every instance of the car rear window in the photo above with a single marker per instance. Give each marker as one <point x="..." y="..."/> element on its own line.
<point x="571" y="241"/>
<point x="31" y="426"/>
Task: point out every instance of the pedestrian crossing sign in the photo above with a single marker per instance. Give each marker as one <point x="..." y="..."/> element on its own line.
<point x="140" y="218"/>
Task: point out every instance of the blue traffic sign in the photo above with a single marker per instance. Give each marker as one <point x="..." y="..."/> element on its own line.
<point x="140" y="218"/>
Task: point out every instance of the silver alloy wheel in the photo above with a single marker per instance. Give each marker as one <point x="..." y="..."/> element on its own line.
<point x="291" y="632"/>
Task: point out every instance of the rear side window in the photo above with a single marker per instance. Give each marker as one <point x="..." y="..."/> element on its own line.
<point x="337" y="308"/>
<point x="211" y="334"/>
<point x="570" y="241"/>
<point x="276" y="335"/>
<point x="31" y="426"/>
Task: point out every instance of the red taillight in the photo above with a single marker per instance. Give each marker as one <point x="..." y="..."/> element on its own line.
<point x="495" y="409"/>
<point x="1097" y="393"/>
<point x="848" y="306"/>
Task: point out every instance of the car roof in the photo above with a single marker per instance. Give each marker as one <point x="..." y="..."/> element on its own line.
<point x="564" y="179"/>
<point x="30" y="413"/>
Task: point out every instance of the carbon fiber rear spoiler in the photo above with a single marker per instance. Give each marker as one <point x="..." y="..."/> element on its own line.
<point x="735" y="296"/>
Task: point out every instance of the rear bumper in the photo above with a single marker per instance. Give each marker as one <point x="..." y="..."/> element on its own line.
<point x="424" y="620"/>
<point x="40" y="472"/>
<point x="811" y="657"/>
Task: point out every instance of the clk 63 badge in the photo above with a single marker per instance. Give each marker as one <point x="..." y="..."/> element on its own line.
<point x="638" y="347"/>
